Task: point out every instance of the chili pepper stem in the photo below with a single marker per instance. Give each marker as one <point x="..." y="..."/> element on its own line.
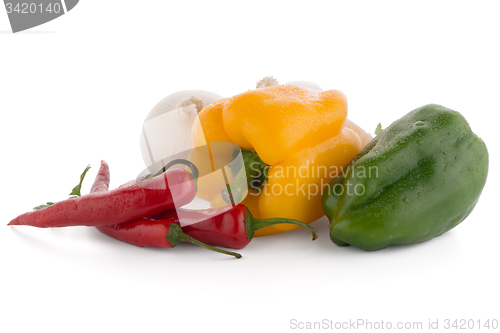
<point x="254" y="224"/>
<point x="189" y="164"/>
<point x="194" y="170"/>
<point x="176" y="235"/>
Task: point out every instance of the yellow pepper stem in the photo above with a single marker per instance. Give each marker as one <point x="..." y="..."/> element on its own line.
<point x="251" y="175"/>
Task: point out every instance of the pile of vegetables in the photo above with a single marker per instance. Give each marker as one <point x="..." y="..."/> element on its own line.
<point x="418" y="178"/>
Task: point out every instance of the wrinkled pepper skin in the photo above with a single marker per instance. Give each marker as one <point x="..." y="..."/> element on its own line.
<point x="232" y="227"/>
<point x="291" y="129"/>
<point x="427" y="172"/>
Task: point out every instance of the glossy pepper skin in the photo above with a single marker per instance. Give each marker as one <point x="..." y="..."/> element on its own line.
<point x="141" y="232"/>
<point x="427" y="172"/>
<point x="223" y="226"/>
<point x="145" y="231"/>
<point x="102" y="179"/>
<point x="231" y="227"/>
<point x="291" y="128"/>
<point x="154" y="233"/>
<point x="123" y="204"/>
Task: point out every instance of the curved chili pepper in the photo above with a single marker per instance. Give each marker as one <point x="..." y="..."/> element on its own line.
<point x="227" y="227"/>
<point x="123" y="204"/>
<point x="154" y="233"/>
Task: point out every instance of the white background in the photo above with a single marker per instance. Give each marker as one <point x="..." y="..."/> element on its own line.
<point x="76" y="90"/>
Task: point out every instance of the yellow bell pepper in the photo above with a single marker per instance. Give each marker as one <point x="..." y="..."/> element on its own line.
<point x="298" y="132"/>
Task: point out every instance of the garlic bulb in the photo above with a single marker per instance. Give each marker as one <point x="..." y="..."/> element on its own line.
<point x="363" y="135"/>
<point x="267" y="82"/>
<point x="166" y="131"/>
<point x="305" y="84"/>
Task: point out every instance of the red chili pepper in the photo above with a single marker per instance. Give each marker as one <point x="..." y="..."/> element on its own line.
<point x="145" y="232"/>
<point x="126" y="203"/>
<point x="155" y="233"/>
<point x="101" y="182"/>
<point x="226" y="227"/>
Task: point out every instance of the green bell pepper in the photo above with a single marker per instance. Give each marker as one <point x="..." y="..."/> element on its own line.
<point x="417" y="179"/>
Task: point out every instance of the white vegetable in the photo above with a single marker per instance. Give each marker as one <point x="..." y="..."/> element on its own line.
<point x="363" y="135"/>
<point x="306" y="84"/>
<point x="267" y="82"/>
<point x="167" y="128"/>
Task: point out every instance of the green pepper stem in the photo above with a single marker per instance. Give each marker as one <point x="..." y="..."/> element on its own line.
<point x="194" y="170"/>
<point x="176" y="235"/>
<point x="255" y="169"/>
<point x="252" y="174"/>
<point x="236" y="190"/>
<point x="253" y="224"/>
